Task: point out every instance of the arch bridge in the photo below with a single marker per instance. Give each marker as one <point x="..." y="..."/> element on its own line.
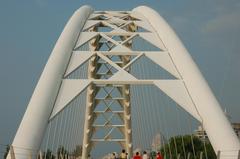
<point x="118" y="80"/>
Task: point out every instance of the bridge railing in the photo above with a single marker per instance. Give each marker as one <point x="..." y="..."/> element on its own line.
<point x="228" y="154"/>
<point x="17" y="152"/>
<point x="13" y="153"/>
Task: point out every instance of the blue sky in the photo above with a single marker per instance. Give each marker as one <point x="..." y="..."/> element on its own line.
<point x="29" y="29"/>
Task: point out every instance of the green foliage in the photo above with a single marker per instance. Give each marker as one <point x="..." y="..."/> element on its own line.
<point x="48" y="154"/>
<point x="62" y="152"/>
<point x="210" y="152"/>
<point x="78" y="151"/>
<point x="187" y="145"/>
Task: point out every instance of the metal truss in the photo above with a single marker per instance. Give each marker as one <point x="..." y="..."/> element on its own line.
<point x="110" y="36"/>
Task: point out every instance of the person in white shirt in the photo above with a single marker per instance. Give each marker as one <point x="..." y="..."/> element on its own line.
<point x="145" y="156"/>
<point x="114" y="155"/>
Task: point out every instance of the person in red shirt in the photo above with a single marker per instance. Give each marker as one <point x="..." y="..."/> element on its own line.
<point x="159" y="156"/>
<point x="137" y="156"/>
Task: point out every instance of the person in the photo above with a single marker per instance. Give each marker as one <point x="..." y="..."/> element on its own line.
<point x="128" y="157"/>
<point x="137" y="156"/>
<point x="159" y="156"/>
<point x="153" y="155"/>
<point x="89" y="156"/>
<point x="145" y="156"/>
<point x="123" y="155"/>
<point x="113" y="156"/>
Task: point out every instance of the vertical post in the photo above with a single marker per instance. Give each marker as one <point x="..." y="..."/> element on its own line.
<point x="238" y="154"/>
<point x="218" y="154"/>
<point x="30" y="155"/>
<point x="88" y="122"/>
<point x="12" y="152"/>
<point x="126" y="95"/>
<point x="40" y="155"/>
<point x="127" y="112"/>
<point x="90" y="104"/>
<point x="178" y="156"/>
<point x="201" y="155"/>
<point x="189" y="155"/>
<point x="127" y="119"/>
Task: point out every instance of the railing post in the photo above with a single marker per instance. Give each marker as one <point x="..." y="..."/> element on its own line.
<point x="12" y="152"/>
<point x="40" y="155"/>
<point x="218" y="154"/>
<point x="61" y="156"/>
<point x="238" y="154"/>
<point x="178" y="156"/>
<point x="31" y="154"/>
<point x="188" y="156"/>
<point x="201" y="155"/>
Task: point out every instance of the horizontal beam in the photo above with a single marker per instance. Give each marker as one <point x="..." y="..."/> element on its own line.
<point x="111" y="140"/>
<point x="107" y="125"/>
<point x="132" y="53"/>
<point x="131" y="82"/>
<point x="101" y="112"/>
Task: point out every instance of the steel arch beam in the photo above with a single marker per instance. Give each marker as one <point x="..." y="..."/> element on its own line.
<point x="33" y="125"/>
<point x="217" y="126"/>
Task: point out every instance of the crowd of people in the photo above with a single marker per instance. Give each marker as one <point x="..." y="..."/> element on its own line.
<point x="137" y="155"/>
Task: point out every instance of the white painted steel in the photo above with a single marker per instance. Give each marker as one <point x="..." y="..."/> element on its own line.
<point x="77" y="60"/>
<point x="70" y="88"/>
<point x="122" y="75"/>
<point x="176" y="90"/>
<point x="85" y="37"/>
<point x="215" y="123"/>
<point x="144" y="25"/>
<point x="163" y="59"/>
<point x="31" y="130"/>
<point x="190" y="90"/>
<point x="153" y="39"/>
<point x="90" y="23"/>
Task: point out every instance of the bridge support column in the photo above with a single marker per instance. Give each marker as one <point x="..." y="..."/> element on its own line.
<point x="90" y="105"/>
<point x="127" y="119"/>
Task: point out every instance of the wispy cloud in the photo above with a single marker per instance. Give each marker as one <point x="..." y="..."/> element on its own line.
<point x="229" y="22"/>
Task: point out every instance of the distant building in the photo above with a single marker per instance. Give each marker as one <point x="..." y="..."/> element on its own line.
<point x="201" y="133"/>
<point x="158" y="141"/>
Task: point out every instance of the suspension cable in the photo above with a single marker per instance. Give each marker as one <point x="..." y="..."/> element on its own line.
<point x="180" y="128"/>
<point x="48" y="136"/>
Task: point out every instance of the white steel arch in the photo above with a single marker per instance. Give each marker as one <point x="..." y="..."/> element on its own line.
<point x="33" y="125"/>
<point x="53" y="92"/>
<point x="215" y="123"/>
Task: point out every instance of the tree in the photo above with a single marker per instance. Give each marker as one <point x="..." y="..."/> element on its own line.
<point x="187" y="145"/>
<point x="78" y="151"/>
<point x="47" y="155"/>
<point x="62" y="152"/>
